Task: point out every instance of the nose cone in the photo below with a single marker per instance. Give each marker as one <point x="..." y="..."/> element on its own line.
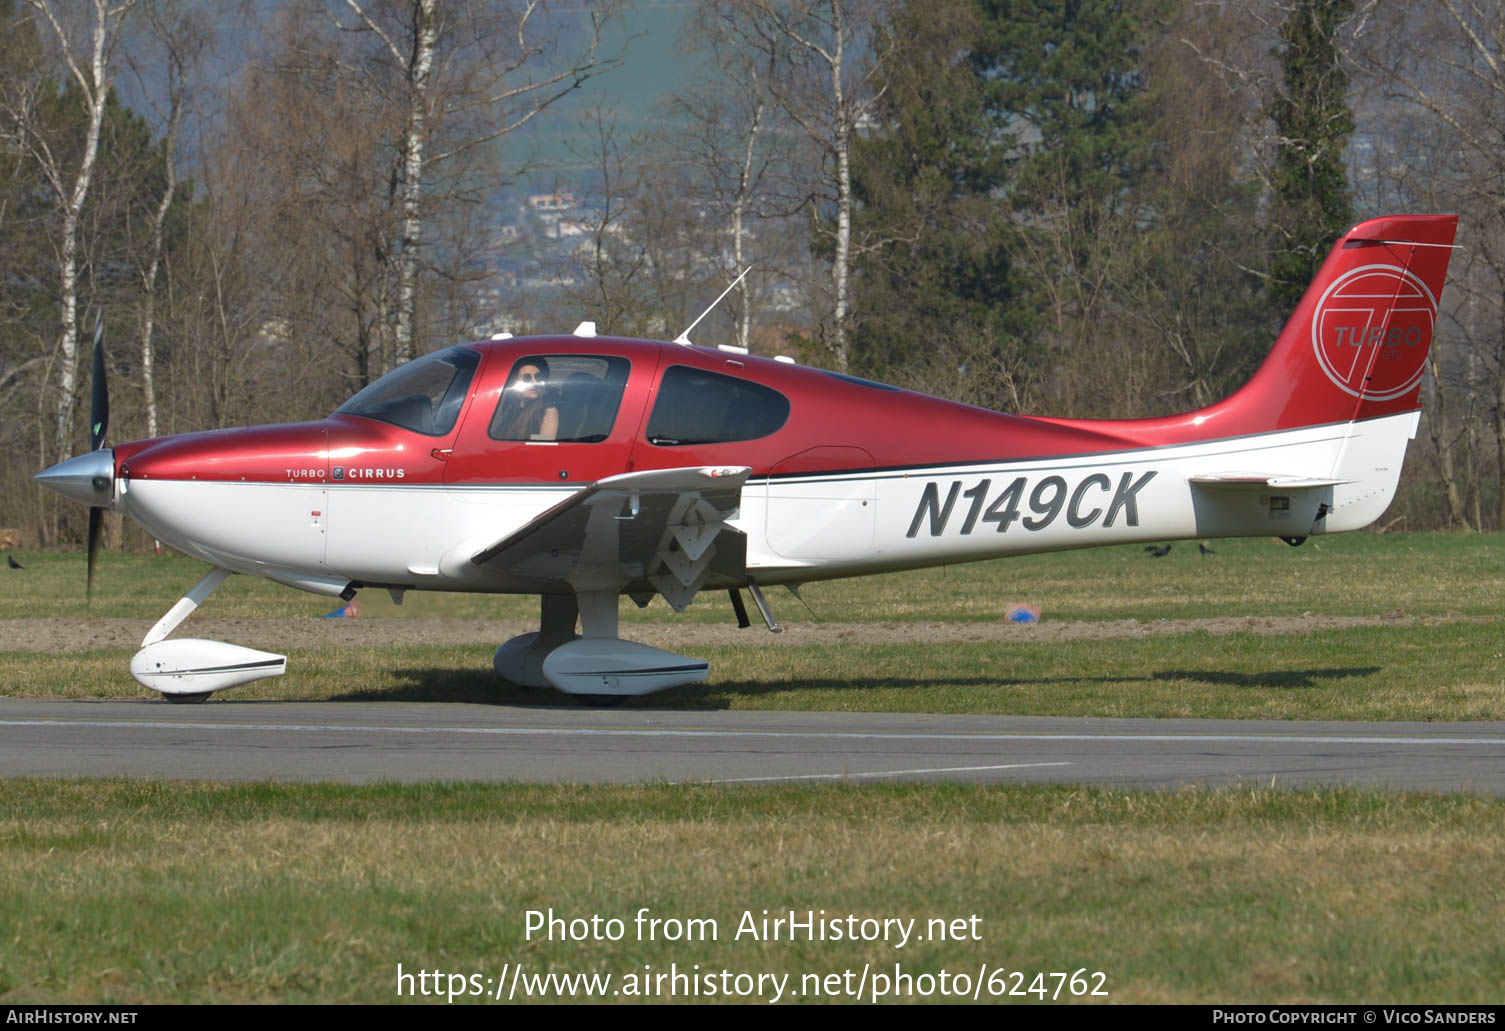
<point x="88" y="479"/>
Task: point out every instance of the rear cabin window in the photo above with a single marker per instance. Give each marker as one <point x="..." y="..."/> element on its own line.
<point x="569" y="398"/>
<point x="699" y="407"/>
<point x="424" y="396"/>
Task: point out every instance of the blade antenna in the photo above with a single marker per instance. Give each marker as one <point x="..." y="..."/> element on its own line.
<point x="684" y="338"/>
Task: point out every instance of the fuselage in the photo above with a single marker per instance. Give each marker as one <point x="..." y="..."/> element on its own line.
<point x="848" y="477"/>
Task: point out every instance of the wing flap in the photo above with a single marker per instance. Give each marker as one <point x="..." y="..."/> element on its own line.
<point x="661" y="530"/>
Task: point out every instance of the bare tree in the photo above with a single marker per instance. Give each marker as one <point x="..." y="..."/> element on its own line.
<point x="831" y="75"/>
<point x="610" y="269"/>
<point x="738" y="152"/>
<point x="182" y="37"/>
<point x="1193" y="281"/>
<point x="1442" y="63"/>
<point x="86" y="49"/>
<point x="465" y="80"/>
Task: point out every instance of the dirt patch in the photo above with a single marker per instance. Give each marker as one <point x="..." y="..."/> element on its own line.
<point x="78" y="635"/>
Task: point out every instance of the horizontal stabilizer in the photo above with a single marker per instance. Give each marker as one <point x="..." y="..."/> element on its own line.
<point x="1262" y="481"/>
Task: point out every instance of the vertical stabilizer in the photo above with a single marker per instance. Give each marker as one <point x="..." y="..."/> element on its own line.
<point x="1357" y="344"/>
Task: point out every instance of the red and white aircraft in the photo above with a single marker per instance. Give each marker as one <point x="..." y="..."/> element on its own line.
<point x="580" y="468"/>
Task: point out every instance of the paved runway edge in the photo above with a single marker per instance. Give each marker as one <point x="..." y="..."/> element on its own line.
<point x="370" y="741"/>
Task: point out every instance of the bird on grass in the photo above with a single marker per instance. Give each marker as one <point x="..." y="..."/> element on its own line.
<point x="1157" y="552"/>
<point x="1204" y="549"/>
<point x="11" y="559"/>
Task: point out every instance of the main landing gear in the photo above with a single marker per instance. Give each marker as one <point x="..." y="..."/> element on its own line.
<point x="595" y="664"/>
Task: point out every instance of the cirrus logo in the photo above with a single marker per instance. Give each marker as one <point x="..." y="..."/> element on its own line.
<point x="1371" y="331"/>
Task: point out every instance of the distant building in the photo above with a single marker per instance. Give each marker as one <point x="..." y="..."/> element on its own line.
<point x="501" y="322"/>
<point x="561" y="201"/>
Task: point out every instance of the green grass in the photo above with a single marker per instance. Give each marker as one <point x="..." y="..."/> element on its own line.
<point x="144" y="891"/>
<point x="1422" y="673"/>
<point x="1350" y="574"/>
<point x="1443" y="672"/>
<point x="1445" y="666"/>
<point x="130" y="892"/>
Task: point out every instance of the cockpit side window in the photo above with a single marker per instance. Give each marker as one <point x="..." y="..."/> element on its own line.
<point x="569" y="398"/>
<point x="699" y="407"/>
<point x="425" y="395"/>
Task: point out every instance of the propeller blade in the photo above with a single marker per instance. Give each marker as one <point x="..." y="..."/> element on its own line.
<point x="99" y="402"/>
<point x="96" y="523"/>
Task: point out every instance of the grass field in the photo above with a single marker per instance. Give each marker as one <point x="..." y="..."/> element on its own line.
<point x="132" y="892"/>
<point x="1425" y="672"/>
<point x="1351" y="574"/>
<point x="1429" y="645"/>
<point x="136" y="892"/>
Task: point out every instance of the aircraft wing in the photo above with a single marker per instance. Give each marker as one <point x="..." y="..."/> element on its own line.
<point x="660" y="530"/>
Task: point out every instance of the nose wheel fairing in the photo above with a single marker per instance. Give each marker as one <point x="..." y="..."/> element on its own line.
<point x="191" y="668"/>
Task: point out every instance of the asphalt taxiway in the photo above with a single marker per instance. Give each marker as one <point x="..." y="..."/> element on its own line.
<point x="407" y="741"/>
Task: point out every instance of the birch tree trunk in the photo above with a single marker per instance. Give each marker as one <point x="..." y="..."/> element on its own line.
<point x="828" y="92"/>
<point x="841" y="264"/>
<point x="93" y="80"/>
<point x="412" y="176"/>
<point x="739" y="213"/>
<point x="178" y="55"/>
<point x="471" y="83"/>
<point x="845" y="125"/>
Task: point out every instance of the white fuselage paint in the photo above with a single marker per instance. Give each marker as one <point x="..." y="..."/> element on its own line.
<point x="807" y="527"/>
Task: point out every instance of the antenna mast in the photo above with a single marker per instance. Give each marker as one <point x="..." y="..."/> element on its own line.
<point x="684" y="338"/>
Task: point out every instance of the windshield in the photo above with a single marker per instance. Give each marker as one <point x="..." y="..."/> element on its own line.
<point x="424" y="395"/>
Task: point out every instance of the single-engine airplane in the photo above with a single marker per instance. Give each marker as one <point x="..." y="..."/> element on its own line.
<point x="580" y="468"/>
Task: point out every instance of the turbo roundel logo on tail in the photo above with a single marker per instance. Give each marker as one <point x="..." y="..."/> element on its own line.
<point x="1371" y="330"/>
<point x="1354" y="349"/>
<point x="1356" y="346"/>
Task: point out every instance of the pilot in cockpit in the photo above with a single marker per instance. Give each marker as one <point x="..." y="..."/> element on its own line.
<point x="528" y="410"/>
